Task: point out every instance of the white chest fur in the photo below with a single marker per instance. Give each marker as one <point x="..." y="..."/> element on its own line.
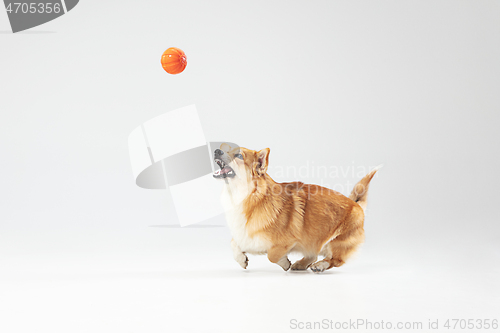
<point x="236" y="221"/>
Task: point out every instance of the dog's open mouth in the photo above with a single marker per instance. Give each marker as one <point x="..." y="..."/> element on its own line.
<point x="225" y="170"/>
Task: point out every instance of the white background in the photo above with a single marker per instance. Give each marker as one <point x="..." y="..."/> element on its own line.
<point x="352" y="84"/>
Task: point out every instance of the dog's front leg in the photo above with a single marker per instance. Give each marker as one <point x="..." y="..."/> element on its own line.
<point x="278" y="255"/>
<point x="239" y="255"/>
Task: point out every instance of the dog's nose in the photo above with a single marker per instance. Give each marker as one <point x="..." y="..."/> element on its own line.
<point x="218" y="152"/>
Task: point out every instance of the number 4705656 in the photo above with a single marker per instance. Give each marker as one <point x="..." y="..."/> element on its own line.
<point x="34" y="7"/>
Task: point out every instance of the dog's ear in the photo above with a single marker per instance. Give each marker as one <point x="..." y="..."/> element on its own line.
<point x="262" y="161"/>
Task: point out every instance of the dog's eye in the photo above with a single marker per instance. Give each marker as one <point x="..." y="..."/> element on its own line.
<point x="238" y="156"/>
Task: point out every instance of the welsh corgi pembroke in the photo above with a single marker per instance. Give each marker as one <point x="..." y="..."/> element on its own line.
<point x="266" y="217"/>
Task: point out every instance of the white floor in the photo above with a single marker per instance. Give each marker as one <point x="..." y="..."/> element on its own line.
<point x="164" y="279"/>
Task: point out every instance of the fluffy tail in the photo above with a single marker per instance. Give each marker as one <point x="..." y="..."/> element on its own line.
<point x="359" y="193"/>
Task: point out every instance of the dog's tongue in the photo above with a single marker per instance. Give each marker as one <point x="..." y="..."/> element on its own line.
<point x="225" y="170"/>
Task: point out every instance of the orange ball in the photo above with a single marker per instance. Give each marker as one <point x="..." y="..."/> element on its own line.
<point x="173" y="60"/>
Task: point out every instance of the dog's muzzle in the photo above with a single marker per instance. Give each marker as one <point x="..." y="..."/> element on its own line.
<point x="225" y="170"/>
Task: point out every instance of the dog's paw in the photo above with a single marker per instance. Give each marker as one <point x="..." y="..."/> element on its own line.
<point x="319" y="266"/>
<point x="242" y="260"/>
<point x="298" y="266"/>
<point x="285" y="264"/>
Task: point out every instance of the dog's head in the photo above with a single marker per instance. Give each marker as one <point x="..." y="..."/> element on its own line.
<point x="240" y="164"/>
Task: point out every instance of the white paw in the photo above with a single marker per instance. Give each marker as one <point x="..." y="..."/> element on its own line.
<point x="319" y="266"/>
<point x="285" y="263"/>
<point x="242" y="259"/>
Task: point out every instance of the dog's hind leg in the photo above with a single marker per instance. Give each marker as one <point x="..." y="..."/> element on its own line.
<point x="303" y="263"/>
<point x="339" y="250"/>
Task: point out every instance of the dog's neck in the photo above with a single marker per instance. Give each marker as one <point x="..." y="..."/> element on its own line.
<point x="251" y="189"/>
<point x="262" y="185"/>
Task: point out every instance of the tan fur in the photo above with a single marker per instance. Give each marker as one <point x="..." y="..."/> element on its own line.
<point x="298" y="217"/>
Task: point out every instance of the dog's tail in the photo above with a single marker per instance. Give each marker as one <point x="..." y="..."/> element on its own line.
<point x="359" y="193"/>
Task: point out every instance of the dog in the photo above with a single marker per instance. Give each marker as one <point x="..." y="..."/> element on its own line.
<point x="266" y="217"/>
